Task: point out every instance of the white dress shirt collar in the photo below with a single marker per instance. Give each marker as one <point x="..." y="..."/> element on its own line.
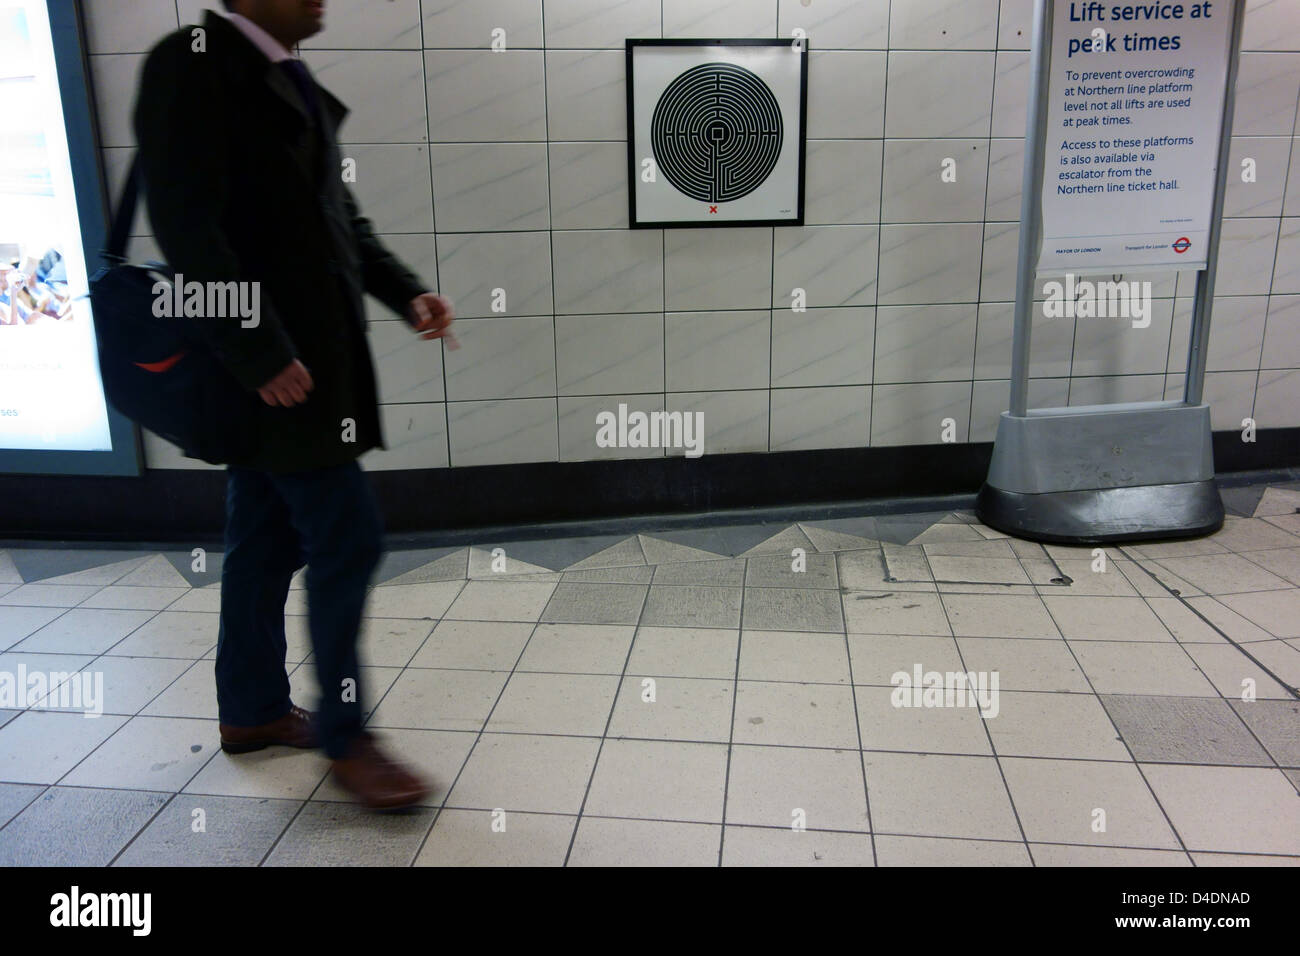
<point x="273" y="48"/>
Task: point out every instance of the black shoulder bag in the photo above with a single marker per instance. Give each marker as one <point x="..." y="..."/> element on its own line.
<point x="156" y="371"/>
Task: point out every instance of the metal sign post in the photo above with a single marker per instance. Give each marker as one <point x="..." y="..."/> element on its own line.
<point x="1091" y="474"/>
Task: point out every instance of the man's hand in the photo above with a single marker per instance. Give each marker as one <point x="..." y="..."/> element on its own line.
<point x="431" y="315"/>
<point x="288" y="388"/>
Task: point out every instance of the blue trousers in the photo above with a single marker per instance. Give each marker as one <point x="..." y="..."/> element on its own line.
<point x="328" y="520"/>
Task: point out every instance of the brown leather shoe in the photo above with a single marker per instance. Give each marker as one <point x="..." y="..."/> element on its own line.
<point x="375" y="779"/>
<point x="295" y="729"/>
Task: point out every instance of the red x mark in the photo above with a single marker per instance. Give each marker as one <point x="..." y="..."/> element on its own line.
<point x="713" y="209"/>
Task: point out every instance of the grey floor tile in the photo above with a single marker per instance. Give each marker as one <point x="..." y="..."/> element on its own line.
<point x="621" y="553"/>
<point x="555" y="553"/>
<point x="1200" y="730"/>
<point x="783" y="542"/>
<point x="783" y="846"/>
<point x="14" y="797"/>
<point x="856" y="527"/>
<point x="595" y="604"/>
<point x="730" y="540"/>
<point x="659" y="780"/>
<point x="74" y="827"/>
<point x="940" y="851"/>
<point x="783" y="571"/>
<point x="601" y="841"/>
<point x="209" y="567"/>
<point x="792" y="609"/>
<point x="37" y="564"/>
<point x="210" y="831"/>
<point x="672" y="606"/>
<point x="475" y="838"/>
<point x="774" y="786"/>
<point x="632" y="574"/>
<point x="1277" y="724"/>
<point x="726" y="573"/>
<point x="1242" y="501"/>
<point x="450" y="567"/>
<point x="344" y="834"/>
<point x="396" y="564"/>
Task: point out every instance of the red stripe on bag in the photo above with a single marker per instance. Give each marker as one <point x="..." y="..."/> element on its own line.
<point x="165" y="364"/>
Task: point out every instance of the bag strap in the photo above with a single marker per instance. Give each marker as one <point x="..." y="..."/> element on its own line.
<point x="120" y="231"/>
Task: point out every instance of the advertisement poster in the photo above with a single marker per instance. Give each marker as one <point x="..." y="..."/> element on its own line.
<point x="1132" y="139"/>
<point x="50" y="392"/>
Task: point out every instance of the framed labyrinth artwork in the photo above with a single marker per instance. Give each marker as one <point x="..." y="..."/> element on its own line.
<point x="716" y="132"/>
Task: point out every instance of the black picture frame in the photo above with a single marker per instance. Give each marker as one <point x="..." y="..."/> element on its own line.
<point x="68" y="35"/>
<point x="631" y="45"/>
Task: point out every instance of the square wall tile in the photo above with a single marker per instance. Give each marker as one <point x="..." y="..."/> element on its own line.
<point x="470" y="23"/>
<point x="1281" y="347"/>
<point x="1011" y="82"/>
<point x="384" y="90"/>
<point x="609" y="271"/>
<point x="837" y="24"/>
<point x="943" y="24"/>
<point x="929" y="264"/>
<point x="592" y="24"/>
<point x="917" y="414"/>
<point x="498" y="433"/>
<point x="719" y="269"/>
<point x="599" y="354"/>
<point x="846" y="94"/>
<point x="1236" y="333"/>
<point x="506" y="273"/>
<point x="1267" y="94"/>
<point x="1262" y="196"/>
<point x="717" y="350"/>
<point x="491" y="186"/>
<point x="116" y="78"/>
<point x="822" y="347"/>
<point x="939" y="94"/>
<point x="586" y="95"/>
<point x="842" y="182"/>
<point x="394" y="25"/>
<point x="588" y="185"/>
<point x="128" y="26"/>
<point x="415" y="436"/>
<point x="503" y="358"/>
<point x="477" y="96"/>
<point x="1006" y="179"/>
<point x="407" y="368"/>
<point x="832" y="265"/>
<point x="733" y="421"/>
<point x="935" y="180"/>
<point x="729" y="18"/>
<point x="581" y="425"/>
<point x="807" y="418"/>
<point x="1275" y="404"/>
<point x="925" y="343"/>
<point x="392" y="186"/>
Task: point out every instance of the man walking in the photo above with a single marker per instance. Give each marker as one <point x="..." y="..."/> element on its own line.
<point x="242" y="173"/>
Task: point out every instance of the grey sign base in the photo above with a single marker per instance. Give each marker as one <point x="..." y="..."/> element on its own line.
<point x="1090" y="475"/>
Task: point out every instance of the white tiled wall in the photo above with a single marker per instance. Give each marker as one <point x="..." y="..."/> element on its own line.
<point x="508" y="170"/>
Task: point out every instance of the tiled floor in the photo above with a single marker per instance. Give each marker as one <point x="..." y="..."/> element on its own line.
<point x="692" y="698"/>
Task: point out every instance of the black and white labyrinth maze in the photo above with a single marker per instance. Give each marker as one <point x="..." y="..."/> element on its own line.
<point x="717" y="132"/>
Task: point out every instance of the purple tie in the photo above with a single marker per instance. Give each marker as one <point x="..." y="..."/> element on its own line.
<point x="298" y="72"/>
